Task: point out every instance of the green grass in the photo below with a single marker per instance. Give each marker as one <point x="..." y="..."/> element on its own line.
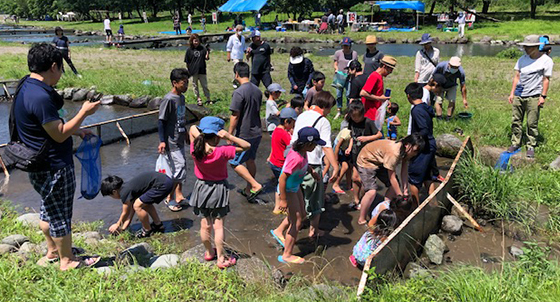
<point x="532" y="278"/>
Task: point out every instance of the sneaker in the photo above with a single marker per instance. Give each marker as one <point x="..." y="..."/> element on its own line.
<point x="143" y="233"/>
<point x="512" y="148"/>
<point x="530" y="152"/>
<point x="79" y="75"/>
<point x="337" y="115"/>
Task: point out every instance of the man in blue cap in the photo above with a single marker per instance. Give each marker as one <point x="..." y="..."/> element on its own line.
<point x="426" y="61"/>
<point x="259" y="53"/>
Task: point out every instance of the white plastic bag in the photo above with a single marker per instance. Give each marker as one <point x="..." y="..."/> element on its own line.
<point x="380" y="116"/>
<point x="163" y="165"/>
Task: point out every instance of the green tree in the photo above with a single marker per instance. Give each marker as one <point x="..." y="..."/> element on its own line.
<point x="296" y="8"/>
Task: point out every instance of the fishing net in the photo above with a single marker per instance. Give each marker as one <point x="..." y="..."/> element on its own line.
<point x="88" y="155"/>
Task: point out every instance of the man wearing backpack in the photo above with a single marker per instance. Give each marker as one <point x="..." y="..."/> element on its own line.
<point x="426" y="61"/>
<point x="37" y="126"/>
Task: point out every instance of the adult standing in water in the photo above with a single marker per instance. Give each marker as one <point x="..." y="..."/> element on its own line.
<point x="528" y="93"/>
<point x="39" y="126"/>
<point x="195" y="58"/>
<point x="426" y="61"/>
<point x="300" y="71"/>
<point x="235" y="48"/>
<point x="452" y="71"/>
<point x="108" y="31"/>
<point x="61" y="42"/>
<point x="259" y="53"/>
<point x="341" y="59"/>
<point x="372" y="57"/>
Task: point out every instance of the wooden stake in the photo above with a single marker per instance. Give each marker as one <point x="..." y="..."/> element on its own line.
<point x="465" y="213"/>
<point x="122" y="132"/>
<point x="7" y="176"/>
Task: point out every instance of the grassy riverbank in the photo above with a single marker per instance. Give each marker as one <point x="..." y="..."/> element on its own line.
<point x="507" y="30"/>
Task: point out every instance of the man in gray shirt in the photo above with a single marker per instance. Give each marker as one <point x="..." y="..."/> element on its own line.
<point x="528" y="93"/>
<point x="172" y="134"/>
<point x="245" y="120"/>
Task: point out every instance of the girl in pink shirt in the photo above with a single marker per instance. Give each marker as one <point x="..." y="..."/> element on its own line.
<point x="210" y="196"/>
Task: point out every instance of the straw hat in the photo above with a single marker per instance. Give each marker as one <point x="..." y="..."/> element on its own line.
<point x="531" y="40"/>
<point x="389" y="61"/>
<point x="371" y="39"/>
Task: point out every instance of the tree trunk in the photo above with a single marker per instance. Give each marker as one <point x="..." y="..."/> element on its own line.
<point x="180" y="9"/>
<point x="485" y="6"/>
<point x="533" y="9"/>
<point x="433" y="7"/>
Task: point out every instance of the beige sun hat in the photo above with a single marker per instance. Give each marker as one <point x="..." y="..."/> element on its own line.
<point x="531" y="40"/>
<point x="455" y="61"/>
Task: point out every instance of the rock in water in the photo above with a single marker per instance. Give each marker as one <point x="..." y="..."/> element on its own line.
<point x="141" y="102"/>
<point x="80" y="95"/>
<point x="555" y="165"/>
<point x="414" y="270"/>
<point x="434" y="248"/>
<point x="7" y="248"/>
<point x="165" y="261"/>
<point x="123" y="100"/>
<point x="452" y="224"/>
<point x="108" y="100"/>
<point x="30" y="219"/>
<point x="448" y="145"/>
<point x="15" y="240"/>
<point x="141" y="253"/>
<point x="68" y="93"/>
<point x="515" y="251"/>
<point x="154" y="104"/>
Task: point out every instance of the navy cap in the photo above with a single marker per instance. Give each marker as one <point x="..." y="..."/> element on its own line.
<point x="310" y="135"/>
<point x="288" y="112"/>
<point x="211" y="125"/>
<point x="439" y="78"/>
<point x="346" y="41"/>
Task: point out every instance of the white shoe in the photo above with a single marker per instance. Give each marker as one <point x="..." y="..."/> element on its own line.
<point x="337" y="115"/>
<point x="79" y="76"/>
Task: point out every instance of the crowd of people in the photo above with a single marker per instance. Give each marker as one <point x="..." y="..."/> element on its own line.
<point x="303" y="158"/>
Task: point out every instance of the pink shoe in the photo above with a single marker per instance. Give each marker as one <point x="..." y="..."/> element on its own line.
<point x="353" y="261"/>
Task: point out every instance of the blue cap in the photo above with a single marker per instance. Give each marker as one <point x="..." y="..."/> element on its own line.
<point x="288" y="113"/>
<point x="426" y="38"/>
<point x="274" y="87"/>
<point x="255" y="33"/>
<point x="310" y="135"/>
<point x="211" y="125"/>
<point x="346" y="41"/>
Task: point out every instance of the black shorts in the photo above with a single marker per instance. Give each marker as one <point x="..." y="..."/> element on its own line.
<point x="421" y="168"/>
<point x="157" y="193"/>
<point x="342" y="157"/>
<point x="109" y="32"/>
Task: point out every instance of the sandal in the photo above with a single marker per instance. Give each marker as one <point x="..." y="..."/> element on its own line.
<point x="143" y="233"/>
<point x="208" y="258"/>
<point x="339" y="191"/>
<point x="254" y="194"/>
<point x="353" y="261"/>
<point x="75" y="251"/>
<point x="229" y="263"/>
<point x="88" y="261"/>
<point x="173" y="206"/>
<point x="157" y="228"/>
<point x="278" y="239"/>
<point x="298" y="260"/>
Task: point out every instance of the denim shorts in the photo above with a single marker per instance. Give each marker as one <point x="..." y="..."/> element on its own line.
<point x="244" y="156"/>
<point x="275" y="170"/>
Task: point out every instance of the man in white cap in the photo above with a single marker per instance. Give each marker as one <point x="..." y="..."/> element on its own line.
<point x="259" y="53"/>
<point x="452" y="71"/>
<point x="528" y="93"/>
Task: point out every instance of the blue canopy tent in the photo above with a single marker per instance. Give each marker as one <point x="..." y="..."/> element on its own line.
<point x="239" y="6"/>
<point x="417" y="6"/>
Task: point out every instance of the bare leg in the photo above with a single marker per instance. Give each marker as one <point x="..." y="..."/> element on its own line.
<point x="367" y="200"/>
<point x="179" y="192"/>
<point x="414" y="192"/>
<point x="218" y="227"/>
<point x="439" y="109"/>
<point x="356" y="185"/>
<point x="205" y="231"/>
<point x="349" y="175"/>
<point x="336" y="184"/>
<point x="143" y="216"/>
<point x="252" y="168"/>
<point x="246" y="175"/>
<point x="295" y="217"/>
<point x="153" y="213"/>
<point x="52" y="251"/>
<point x="314" y="227"/>
<point x="171" y="195"/>
<point x="64" y="246"/>
<point x="450" y="108"/>
<point x="279" y="231"/>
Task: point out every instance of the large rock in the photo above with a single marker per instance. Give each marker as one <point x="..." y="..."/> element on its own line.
<point x="198" y="111"/>
<point x="154" y="104"/>
<point x="80" y="95"/>
<point x="68" y="93"/>
<point x="165" y="261"/>
<point x="123" y="100"/>
<point x="91" y="94"/>
<point x="555" y="165"/>
<point x="29" y="248"/>
<point x="414" y="270"/>
<point x="30" y="219"/>
<point x="515" y="251"/>
<point x="452" y="224"/>
<point x="15" y="240"/>
<point x="88" y="235"/>
<point x="194" y="254"/>
<point x="448" y="145"/>
<point x="139" y="253"/>
<point x="490" y="155"/>
<point x="7" y="248"/>
<point x="486" y="39"/>
<point x="108" y="100"/>
<point x="141" y="102"/>
<point x="434" y="248"/>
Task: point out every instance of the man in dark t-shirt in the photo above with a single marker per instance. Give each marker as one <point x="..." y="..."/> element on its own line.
<point x="37" y="122"/>
<point x="138" y="196"/>
<point x="245" y="123"/>
<point x="259" y="53"/>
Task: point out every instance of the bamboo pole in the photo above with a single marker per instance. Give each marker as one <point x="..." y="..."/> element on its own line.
<point x="465" y="213"/>
<point x="367" y="266"/>
<point x="8" y="95"/>
<point x="7" y="176"/>
<point x="123" y="133"/>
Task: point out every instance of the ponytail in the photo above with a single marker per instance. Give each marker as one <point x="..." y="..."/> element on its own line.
<point x="199" y="145"/>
